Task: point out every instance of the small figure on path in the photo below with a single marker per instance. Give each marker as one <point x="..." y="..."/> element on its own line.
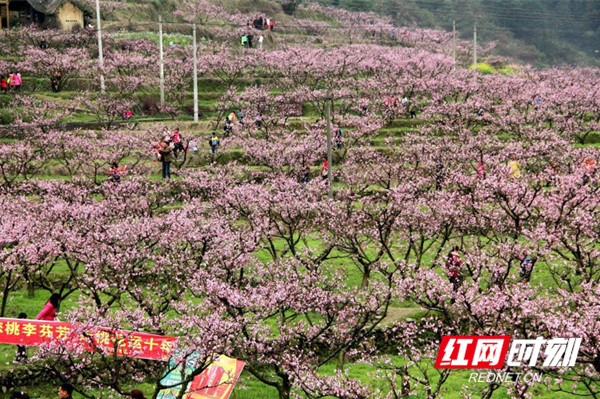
<point x="228" y="128"/>
<point x="116" y="172"/>
<point x="11" y="81"/>
<point x="18" y="81"/>
<point x="454" y="266"/>
<point x="325" y="170"/>
<point x="258" y="120"/>
<point x="21" y="349"/>
<point x="177" y="143"/>
<point x="412" y="110"/>
<point x="481" y="170"/>
<point x="214" y="143"/>
<point x="515" y="169"/>
<point x="526" y="268"/>
<point x="165" y="158"/>
<point x="339" y="138"/>
<point x="305" y="175"/>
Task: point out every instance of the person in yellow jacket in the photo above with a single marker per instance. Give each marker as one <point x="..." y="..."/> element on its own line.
<point x="515" y="168"/>
<point x="214" y="143"/>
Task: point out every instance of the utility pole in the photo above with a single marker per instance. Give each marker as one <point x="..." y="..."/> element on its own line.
<point x="329" y="161"/>
<point x="195" y="77"/>
<point x="100" y="57"/>
<point x="453" y="45"/>
<point x="475" y="51"/>
<point x="162" y="68"/>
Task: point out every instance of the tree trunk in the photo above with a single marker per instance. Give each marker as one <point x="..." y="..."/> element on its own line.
<point x="5" y="294"/>
<point x="366" y="276"/>
<point x="341" y="360"/>
<point x="284" y="388"/>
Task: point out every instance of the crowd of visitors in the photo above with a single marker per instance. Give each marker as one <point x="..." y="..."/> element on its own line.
<point x="11" y="82"/>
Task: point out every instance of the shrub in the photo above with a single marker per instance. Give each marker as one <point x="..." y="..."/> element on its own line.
<point x="6" y="117"/>
<point x="507" y="70"/>
<point x="484" y="69"/>
<point x="189" y="110"/>
<point x="150" y="106"/>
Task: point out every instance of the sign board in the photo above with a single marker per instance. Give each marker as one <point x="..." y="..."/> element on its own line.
<point x="218" y="380"/>
<point x="215" y="382"/>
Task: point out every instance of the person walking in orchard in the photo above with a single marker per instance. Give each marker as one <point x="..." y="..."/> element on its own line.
<point x="339" y="134"/>
<point x="21" y="349"/>
<point x="18" y="81"/>
<point x="165" y="157"/>
<point x="515" y="169"/>
<point x="454" y="266"/>
<point x="116" y="172"/>
<point x="11" y="81"/>
<point x="177" y="141"/>
<point x="228" y="128"/>
<point x="49" y="311"/>
<point x="232" y="118"/>
<point x="325" y="170"/>
<point x="526" y="268"/>
<point x="214" y="143"/>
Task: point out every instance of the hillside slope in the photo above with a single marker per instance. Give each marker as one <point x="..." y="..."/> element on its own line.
<point x="541" y="33"/>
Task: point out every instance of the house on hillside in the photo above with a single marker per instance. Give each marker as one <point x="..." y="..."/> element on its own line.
<point x="4" y="14"/>
<point x="61" y="14"/>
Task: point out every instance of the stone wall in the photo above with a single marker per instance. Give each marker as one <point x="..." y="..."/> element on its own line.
<point x="68" y="16"/>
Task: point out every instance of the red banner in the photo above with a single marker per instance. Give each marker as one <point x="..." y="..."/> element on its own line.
<point x="92" y="339"/>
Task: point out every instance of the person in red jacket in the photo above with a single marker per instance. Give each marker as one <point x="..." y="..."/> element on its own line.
<point x="481" y="170"/>
<point x="116" y="172"/>
<point x="3" y="84"/>
<point x="11" y="81"/>
<point x="49" y="311"/>
<point x="325" y="170"/>
<point x="454" y="265"/>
